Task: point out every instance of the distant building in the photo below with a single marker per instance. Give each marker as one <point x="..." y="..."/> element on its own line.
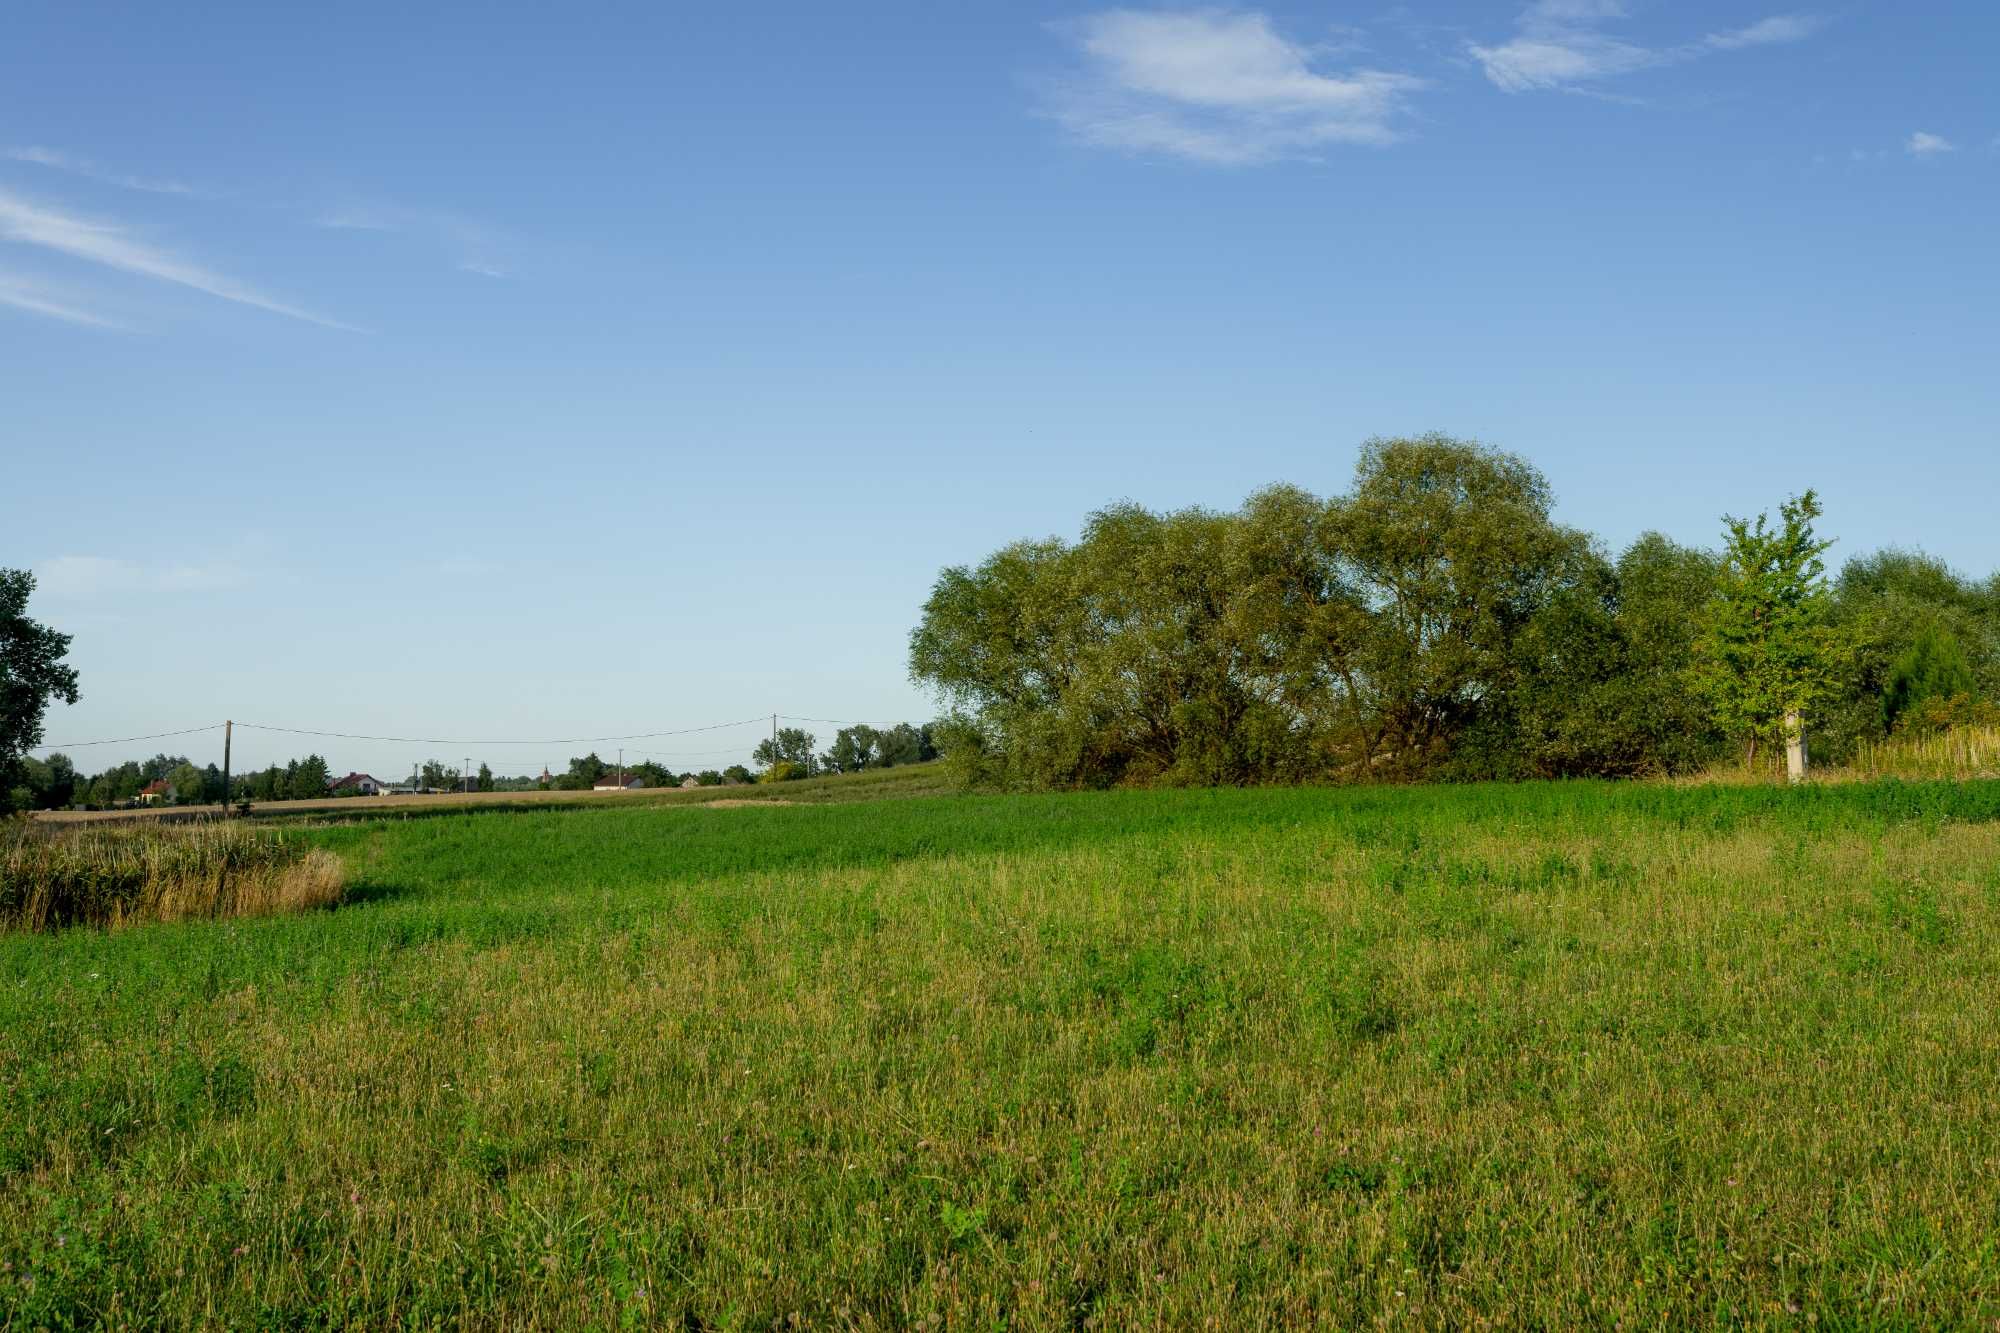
<point x="154" y="792"/>
<point x="362" y="783"/>
<point x="612" y="782"/>
<point x="690" y="781"/>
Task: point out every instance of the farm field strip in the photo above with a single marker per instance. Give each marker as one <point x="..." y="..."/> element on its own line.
<point x="1571" y="1054"/>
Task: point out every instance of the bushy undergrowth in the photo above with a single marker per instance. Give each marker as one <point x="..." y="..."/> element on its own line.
<point x="107" y="875"/>
<point x="1540" y="1056"/>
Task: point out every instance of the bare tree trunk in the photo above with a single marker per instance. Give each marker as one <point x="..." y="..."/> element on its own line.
<point x="1795" y="747"/>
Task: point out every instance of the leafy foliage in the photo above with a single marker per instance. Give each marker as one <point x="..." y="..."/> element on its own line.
<point x="1434" y="620"/>
<point x="32" y="673"/>
<point x="1768" y="649"/>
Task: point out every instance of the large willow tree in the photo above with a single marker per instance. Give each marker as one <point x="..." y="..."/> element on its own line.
<point x="1378" y="633"/>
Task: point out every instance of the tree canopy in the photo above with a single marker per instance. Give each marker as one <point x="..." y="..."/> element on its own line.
<point x="1433" y="621"/>
<point x="32" y="672"/>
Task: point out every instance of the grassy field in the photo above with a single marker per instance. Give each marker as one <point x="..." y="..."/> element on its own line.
<point x="876" y="784"/>
<point x="1545" y="1055"/>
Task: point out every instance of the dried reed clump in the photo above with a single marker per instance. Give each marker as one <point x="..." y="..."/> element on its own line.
<point x="1957" y="752"/>
<point x="111" y="875"/>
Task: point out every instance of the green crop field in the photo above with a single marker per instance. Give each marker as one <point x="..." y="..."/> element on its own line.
<point x="1542" y="1056"/>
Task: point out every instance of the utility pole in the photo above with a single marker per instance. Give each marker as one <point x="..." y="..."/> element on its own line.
<point x="1795" y="747"/>
<point x="228" y="730"/>
<point x="774" y="741"/>
<point x="621" y="768"/>
<point x="466" y="773"/>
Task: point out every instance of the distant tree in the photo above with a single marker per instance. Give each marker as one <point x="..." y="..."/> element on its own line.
<point x="186" y="781"/>
<point x="854" y="748"/>
<point x="485" y="780"/>
<point x="50" y="784"/>
<point x="904" y="744"/>
<point x="1767" y="655"/>
<point x="583" y="773"/>
<point x="793" y="746"/>
<point x="1935" y="667"/>
<point x="32" y="673"/>
<point x="310" y="780"/>
<point x="708" y="777"/>
<point x="211" y="784"/>
<point x="736" y="773"/>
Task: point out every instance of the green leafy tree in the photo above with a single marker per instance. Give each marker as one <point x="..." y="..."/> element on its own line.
<point x="1601" y="683"/>
<point x="854" y="748"/>
<point x="50" y="784"/>
<point x="1768" y="656"/>
<point x="1453" y="550"/>
<point x="32" y="673"/>
<point x="583" y="773"/>
<point x="186" y="780"/>
<point x="904" y="744"/>
<point x="793" y="745"/>
<point x="737" y="773"/>
<point x="307" y="779"/>
<point x="485" y="780"/>
<point x="1935" y="667"/>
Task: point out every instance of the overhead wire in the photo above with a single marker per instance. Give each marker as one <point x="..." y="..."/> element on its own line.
<point x="436" y="740"/>
<point x="126" y="740"/>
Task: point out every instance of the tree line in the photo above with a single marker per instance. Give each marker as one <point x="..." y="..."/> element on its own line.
<point x="1435" y="622"/>
<point x="55" y="783"/>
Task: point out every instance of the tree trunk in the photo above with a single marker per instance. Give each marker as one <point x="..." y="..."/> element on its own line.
<point x="1795" y="747"/>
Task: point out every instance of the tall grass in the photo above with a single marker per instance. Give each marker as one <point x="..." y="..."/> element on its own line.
<point x="108" y="875"/>
<point x="1958" y="752"/>
<point x="1574" y="1055"/>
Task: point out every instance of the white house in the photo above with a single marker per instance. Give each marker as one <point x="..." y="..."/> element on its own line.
<point x="362" y="783"/>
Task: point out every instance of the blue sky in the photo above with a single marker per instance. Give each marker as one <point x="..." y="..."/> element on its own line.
<point x="476" y="371"/>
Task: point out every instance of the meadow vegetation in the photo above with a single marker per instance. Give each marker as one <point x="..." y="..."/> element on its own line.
<point x="1557" y="1055"/>
<point x="111" y="875"/>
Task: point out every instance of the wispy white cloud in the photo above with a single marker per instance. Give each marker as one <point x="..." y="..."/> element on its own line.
<point x="83" y="578"/>
<point x="1772" y="31"/>
<point x="1217" y="87"/>
<point x="1561" y="45"/>
<point x="101" y="243"/>
<point x="38" y="300"/>
<point x="476" y="248"/>
<point x="58" y="160"/>
<point x="1924" y="144"/>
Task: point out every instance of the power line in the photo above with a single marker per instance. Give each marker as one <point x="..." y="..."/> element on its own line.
<point x="561" y="740"/>
<point x="437" y="740"/>
<point x="158" y="735"/>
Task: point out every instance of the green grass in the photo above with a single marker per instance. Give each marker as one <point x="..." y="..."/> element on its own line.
<point x="1571" y="1055"/>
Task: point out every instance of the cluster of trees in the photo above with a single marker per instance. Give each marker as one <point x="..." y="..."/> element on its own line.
<point x="1433" y="622"/>
<point x="55" y="784"/>
<point x="789" y="754"/>
<point x="588" y="771"/>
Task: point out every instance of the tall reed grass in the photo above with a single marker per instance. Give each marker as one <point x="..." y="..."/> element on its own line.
<point x="1958" y="752"/>
<point x="109" y="875"/>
